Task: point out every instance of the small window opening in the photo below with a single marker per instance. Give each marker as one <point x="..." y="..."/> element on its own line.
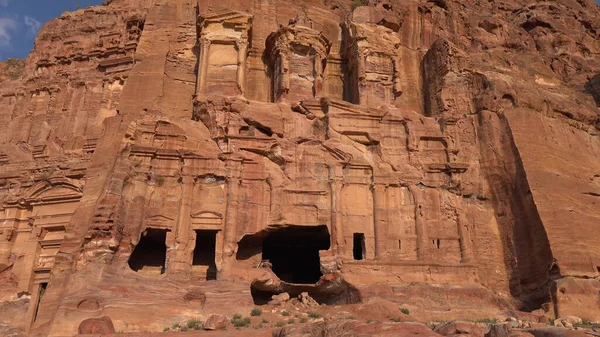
<point x="203" y="262"/>
<point x="359" y="247"/>
<point x="436" y="242"/>
<point x="41" y="293"/>
<point x="399" y="244"/>
<point x="150" y="254"/>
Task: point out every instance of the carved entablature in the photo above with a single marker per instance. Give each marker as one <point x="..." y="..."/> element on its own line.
<point x="373" y="64"/>
<point x="298" y="55"/>
<point x="224" y="42"/>
<point x="207" y="220"/>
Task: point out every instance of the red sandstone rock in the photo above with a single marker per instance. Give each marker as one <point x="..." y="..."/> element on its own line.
<point x="357" y="329"/>
<point x="168" y="160"/>
<point x="100" y="326"/>
<point x="216" y="322"/>
<point x="460" y="328"/>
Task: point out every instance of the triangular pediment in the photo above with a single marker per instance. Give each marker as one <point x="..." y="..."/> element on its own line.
<point x="57" y="192"/>
<point x="53" y="188"/>
<point x="224" y="15"/>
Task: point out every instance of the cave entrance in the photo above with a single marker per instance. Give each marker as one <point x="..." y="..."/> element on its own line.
<point x="203" y="262"/>
<point x="150" y="254"/>
<point x="359" y="249"/>
<point x="294" y="252"/>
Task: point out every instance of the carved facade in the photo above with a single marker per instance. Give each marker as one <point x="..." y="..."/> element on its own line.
<point x="212" y="156"/>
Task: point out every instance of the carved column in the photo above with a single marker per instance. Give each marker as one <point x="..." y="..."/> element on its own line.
<point x="230" y="230"/>
<point x="466" y="246"/>
<point x="337" y="232"/>
<point x="5" y="247"/>
<point x="419" y="224"/>
<point x="361" y="82"/>
<point x="379" y="218"/>
<point x="284" y="86"/>
<point x="182" y="261"/>
<point x="242" y="47"/>
<point x="32" y="250"/>
<point x="318" y="84"/>
<point x="397" y="84"/>
<point x="202" y="66"/>
<point x="6" y="235"/>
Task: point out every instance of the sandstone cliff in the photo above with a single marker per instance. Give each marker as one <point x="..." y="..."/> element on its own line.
<point x="169" y="159"/>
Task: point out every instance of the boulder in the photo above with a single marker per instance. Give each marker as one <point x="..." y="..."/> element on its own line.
<point x="459" y="327"/>
<point x="279" y="299"/>
<point x="499" y="330"/>
<point x="307" y="300"/>
<point x="96" y="326"/>
<point x="215" y="322"/>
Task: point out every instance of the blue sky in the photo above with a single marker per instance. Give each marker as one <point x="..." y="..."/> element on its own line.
<point x="20" y="21"/>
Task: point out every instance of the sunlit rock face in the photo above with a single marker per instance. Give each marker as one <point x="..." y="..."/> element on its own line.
<point x="162" y="160"/>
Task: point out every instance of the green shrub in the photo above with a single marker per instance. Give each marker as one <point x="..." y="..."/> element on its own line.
<point x="256" y="312"/>
<point x="280" y="324"/>
<point x="237" y="316"/>
<point x="241" y="322"/>
<point x="291" y="321"/>
<point x="175" y="326"/>
<point x="303" y="320"/>
<point x="259" y="326"/>
<point x="184" y="329"/>
<point x="395" y="319"/>
<point x="285" y="313"/>
<point x="312" y="314"/>
<point x="405" y="311"/>
<point x="194" y="324"/>
<point x="369" y="321"/>
<point x="264" y="321"/>
<point x="487" y="320"/>
<point x="166" y="329"/>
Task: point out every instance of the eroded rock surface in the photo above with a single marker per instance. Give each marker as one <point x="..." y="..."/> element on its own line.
<point x="164" y="160"/>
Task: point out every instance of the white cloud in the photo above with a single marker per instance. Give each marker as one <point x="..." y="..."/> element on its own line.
<point x="4" y="3"/>
<point x="8" y="27"/>
<point x="33" y="24"/>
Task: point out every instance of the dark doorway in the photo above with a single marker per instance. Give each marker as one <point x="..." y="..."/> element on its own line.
<point x="42" y="290"/>
<point x="294" y="252"/>
<point x="358" y="248"/>
<point x="204" y="252"/>
<point x="150" y="254"/>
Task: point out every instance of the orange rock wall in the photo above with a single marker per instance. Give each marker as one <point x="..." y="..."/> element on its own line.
<point x="459" y="139"/>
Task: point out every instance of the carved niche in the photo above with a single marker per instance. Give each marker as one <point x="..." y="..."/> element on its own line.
<point x="224" y="39"/>
<point x="373" y="64"/>
<point x="297" y="56"/>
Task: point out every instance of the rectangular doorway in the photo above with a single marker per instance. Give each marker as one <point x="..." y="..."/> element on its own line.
<point x="41" y="291"/>
<point x="204" y="253"/>
<point x="359" y="248"/>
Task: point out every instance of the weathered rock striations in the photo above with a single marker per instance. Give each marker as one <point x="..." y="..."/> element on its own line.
<point x="171" y="159"/>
